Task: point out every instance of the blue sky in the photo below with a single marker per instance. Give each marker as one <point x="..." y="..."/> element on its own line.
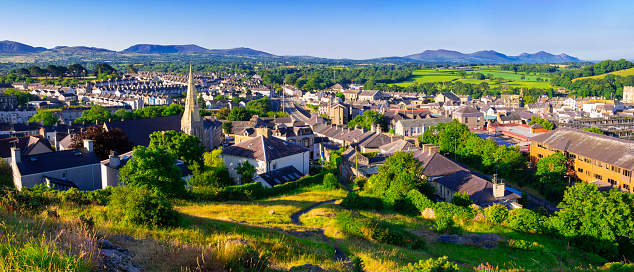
<point x="590" y="30"/>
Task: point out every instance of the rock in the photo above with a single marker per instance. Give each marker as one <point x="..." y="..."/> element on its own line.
<point x="487" y="240"/>
<point x="116" y="258"/>
<point x="306" y="268"/>
<point x="428" y="213"/>
<point x="272" y="212"/>
<point x="123" y="237"/>
<point x="479" y="217"/>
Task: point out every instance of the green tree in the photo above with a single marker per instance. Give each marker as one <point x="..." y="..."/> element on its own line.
<point x="367" y="119"/>
<point x="239" y="114"/>
<point x="154" y="167"/>
<point x="132" y="69"/>
<point x="397" y="176"/>
<point x="441" y="264"/>
<point x="227" y="127"/>
<point x="76" y="69"/>
<point x="223" y="114"/>
<point x="550" y="173"/>
<point x="543" y="122"/>
<point x="104" y="69"/>
<point x="122" y="114"/>
<point x="47" y="117"/>
<point x="104" y="141"/>
<point x="594" y="130"/>
<point x="173" y="109"/>
<point x="142" y="206"/>
<point x="246" y="171"/>
<point x="259" y="107"/>
<point x="341" y="95"/>
<point x="23" y="96"/>
<point x="330" y="181"/>
<point x="462" y="200"/>
<point x="96" y="113"/>
<point x="6" y="174"/>
<point x="186" y="147"/>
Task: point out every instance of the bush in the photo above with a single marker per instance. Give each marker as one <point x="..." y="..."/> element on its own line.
<point x="355" y="202"/>
<point x="31" y="201"/>
<point x="525" y="220"/>
<point x="618" y="267"/>
<point x="524" y="245"/>
<point x="496" y="213"/>
<point x="441" y="264"/>
<point x="242" y="257"/>
<point x="378" y="231"/>
<point x="414" y="203"/>
<point x="139" y="205"/>
<point x="462" y="200"/>
<point x="330" y="182"/>
<point x="360" y="182"/>
<point x="73" y="195"/>
<point x="447" y="212"/>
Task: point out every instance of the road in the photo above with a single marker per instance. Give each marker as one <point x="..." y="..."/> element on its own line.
<point x="294" y="109"/>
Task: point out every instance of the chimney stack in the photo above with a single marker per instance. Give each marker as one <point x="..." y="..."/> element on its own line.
<point x="16" y="157"/>
<point x="88" y="145"/>
<point x="114" y="159"/>
<point x="498" y="188"/>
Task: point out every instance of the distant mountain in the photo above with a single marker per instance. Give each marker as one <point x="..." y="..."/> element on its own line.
<point x="79" y="50"/>
<point x="242" y="51"/>
<point x="164" y="49"/>
<point x="16" y="47"/>
<point x="488" y="56"/>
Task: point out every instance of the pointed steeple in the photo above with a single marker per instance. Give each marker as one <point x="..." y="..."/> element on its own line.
<point x="191" y="123"/>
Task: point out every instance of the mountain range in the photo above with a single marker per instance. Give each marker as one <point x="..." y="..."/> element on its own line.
<point x="437" y="56"/>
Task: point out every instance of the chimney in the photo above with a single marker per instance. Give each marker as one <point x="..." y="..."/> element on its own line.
<point x="431" y="149"/>
<point x="498" y="189"/>
<point x="88" y="145"/>
<point x="56" y="141"/>
<point x="373" y="128"/>
<point x="16" y="157"/>
<point x="114" y="159"/>
<point x="378" y="129"/>
<point x="266" y="132"/>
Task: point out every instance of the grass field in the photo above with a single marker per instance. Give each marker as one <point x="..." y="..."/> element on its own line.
<point x="451" y="75"/>
<point x="626" y="72"/>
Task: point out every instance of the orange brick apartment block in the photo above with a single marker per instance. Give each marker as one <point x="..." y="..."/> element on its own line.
<point x="593" y="157"/>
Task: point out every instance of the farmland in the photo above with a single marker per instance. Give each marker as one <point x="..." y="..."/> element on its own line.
<point x="626" y="72"/>
<point x="452" y="75"/>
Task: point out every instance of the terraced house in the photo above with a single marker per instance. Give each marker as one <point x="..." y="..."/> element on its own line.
<point x="595" y="158"/>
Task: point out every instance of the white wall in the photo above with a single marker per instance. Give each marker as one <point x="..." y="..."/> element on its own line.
<point x="299" y="161"/>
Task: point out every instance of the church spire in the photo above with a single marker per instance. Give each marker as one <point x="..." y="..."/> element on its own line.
<point x="191" y="122"/>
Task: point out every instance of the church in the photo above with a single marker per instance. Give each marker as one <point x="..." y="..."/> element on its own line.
<point x="208" y="130"/>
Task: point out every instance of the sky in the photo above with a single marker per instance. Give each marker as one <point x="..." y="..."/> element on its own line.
<point x="590" y="30"/>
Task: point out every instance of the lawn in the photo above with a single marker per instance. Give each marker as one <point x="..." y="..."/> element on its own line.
<point x="623" y="73"/>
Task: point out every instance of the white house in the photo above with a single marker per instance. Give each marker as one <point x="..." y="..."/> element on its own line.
<point x="266" y="153"/>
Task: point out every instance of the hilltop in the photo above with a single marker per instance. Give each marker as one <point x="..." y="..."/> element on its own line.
<point x="489" y="56"/>
<point x="164" y="49"/>
<point x="16" y="47"/>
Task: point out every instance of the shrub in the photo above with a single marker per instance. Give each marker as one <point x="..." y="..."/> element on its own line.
<point x="618" y="267"/>
<point x="357" y="264"/>
<point x="139" y="205"/>
<point x="360" y="182"/>
<point x="524" y="245"/>
<point x="330" y="181"/>
<point x="447" y="212"/>
<point x="496" y="213"/>
<point x="414" y="203"/>
<point x="441" y="264"/>
<point x="525" y="220"/>
<point x="462" y="200"/>
<point x="378" y="231"/>
<point x="32" y="201"/>
<point x="355" y="202"/>
<point x="238" y="256"/>
<point x="73" y="195"/>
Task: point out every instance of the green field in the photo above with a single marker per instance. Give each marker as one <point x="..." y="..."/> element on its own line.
<point x="626" y="72"/>
<point x="451" y="75"/>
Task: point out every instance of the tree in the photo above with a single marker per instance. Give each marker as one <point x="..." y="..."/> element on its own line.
<point x="550" y="172"/>
<point x="259" y="107"/>
<point x="23" y="96"/>
<point x="153" y="167"/>
<point x="594" y="130"/>
<point x="342" y="96"/>
<point x="76" y="69"/>
<point x="227" y="127"/>
<point x="367" y="119"/>
<point x="122" y="114"/>
<point x="104" y="69"/>
<point x="104" y="141"/>
<point x="239" y="114"/>
<point x="47" y="117"/>
<point x="462" y="200"/>
<point x="96" y="113"/>
<point x="173" y="109"/>
<point x="541" y="121"/>
<point x="213" y="160"/>
<point x="397" y="176"/>
<point x="185" y="147"/>
<point x="36" y="71"/>
<point x="223" y="114"/>
<point x="246" y="171"/>
<point x="132" y="69"/>
<point x="330" y="181"/>
<point x="6" y="174"/>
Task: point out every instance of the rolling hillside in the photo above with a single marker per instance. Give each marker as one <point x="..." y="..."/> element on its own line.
<point x="626" y="72"/>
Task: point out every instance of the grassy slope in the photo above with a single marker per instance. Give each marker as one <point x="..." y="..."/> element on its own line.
<point x="626" y="72"/>
<point x="445" y="75"/>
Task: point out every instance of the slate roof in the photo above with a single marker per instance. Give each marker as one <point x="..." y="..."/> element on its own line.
<point x="25" y="144"/>
<point x="138" y="131"/>
<point x="607" y="149"/>
<point x="424" y="122"/>
<point x="61" y="182"/>
<point x="400" y="145"/>
<point x="436" y="164"/>
<point x="376" y="140"/>
<point x="264" y="149"/>
<point x="281" y="175"/>
<point x="52" y="161"/>
<point x="479" y="189"/>
<point x="511" y="116"/>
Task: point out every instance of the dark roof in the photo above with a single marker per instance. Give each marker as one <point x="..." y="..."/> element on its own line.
<point x="376" y="140"/>
<point x="607" y="149"/>
<point x="25" y="144"/>
<point x="479" y="189"/>
<point x="467" y="109"/>
<point x="423" y="122"/>
<point x="400" y="145"/>
<point x="436" y="164"/>
<point x="52" y="161"/>
<point x="60" y="182"/>
<point x="281" y="175"/>
<point x="138" y="131"/>
<point x="264" y="149"/>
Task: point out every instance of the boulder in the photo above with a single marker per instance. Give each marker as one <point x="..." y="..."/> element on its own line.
<point x="306" y="268"/>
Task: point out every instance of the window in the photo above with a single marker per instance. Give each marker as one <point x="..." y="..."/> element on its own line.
<point x="540" y="156"/>
<point x="615" y="169"/>
<point x="626" y="187"/>
<point x="588" y="173"/>
<point x="579" y="170"/>
<point x="64" y="174"/>
<point x="580" y="158"/>
<point x="613" y="182"/>
<point x="627" y="173"/>
<point x="274" y="165"/>
<point x="597" y="176"/>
